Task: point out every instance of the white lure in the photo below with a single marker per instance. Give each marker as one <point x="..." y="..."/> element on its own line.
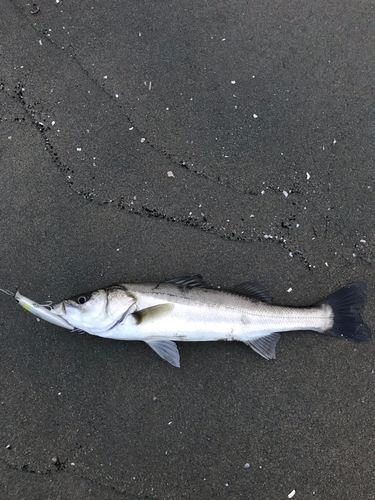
<point x="43" y="312"/>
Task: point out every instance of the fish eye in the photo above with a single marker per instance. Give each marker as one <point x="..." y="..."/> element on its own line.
<point x="84" y="297"/>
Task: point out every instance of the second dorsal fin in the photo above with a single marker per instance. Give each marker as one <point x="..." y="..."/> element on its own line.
<point x="252" y="290"/>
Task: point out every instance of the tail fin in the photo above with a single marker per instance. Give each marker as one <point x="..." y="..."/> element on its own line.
<point x="346" y="305"/>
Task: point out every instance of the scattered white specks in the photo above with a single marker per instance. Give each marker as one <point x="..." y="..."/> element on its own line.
<point x="167" y="109"/>
<point x="59" y="393"/>
<point x="117" y="249"/>
<point x="286" y="194"/>
<point x="105" y="77"/>
<point x="290" y="254"/>
<point x="227" y="484"/>
<point x="247" y="466"/>
<point x="40" y="42"/>
<point x="262" y="192"/>
<point x="169" y="423"/>
<point x="38" y="320"/>
<point x="297" y="225"/>
<point x="79" y="149"/>
<point x="292" y="493"/>
<point x="143" y="139"/>
<point x="307" y="176"/>
<point x="354" y="255"/>
<point x="139" y="33"/>
<point x="289" y="289"/>
<point x="10" y="137"/>
<point x="116" y="95"/>
<point x="255" y="116"/>
<point x="170" y="173"/>
<point x="57" y="1"/>
<point x="154" y="398"/>
<point x="233" y="82"/>
<point x="72" y="463"/>
<point x="363" y="242"/>
<point x="149" y="86"/>
<point x="334" y="141"/>
<point x="131" y="128"/>
<point x="251" y="216"/>
<point x="53" y="123"/>
<point x="8" y="447"/>
<point x="223" y="39"/>
<point x="326" y="263"/>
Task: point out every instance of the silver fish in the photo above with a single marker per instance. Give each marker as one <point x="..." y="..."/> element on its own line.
<point x="185" y="310"/>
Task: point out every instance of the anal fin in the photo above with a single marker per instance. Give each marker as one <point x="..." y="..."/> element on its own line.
<point x="167" y="349"/>
<point x="265" y="346"/>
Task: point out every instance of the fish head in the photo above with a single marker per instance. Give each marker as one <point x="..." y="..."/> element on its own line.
<point x="99" y="311"/>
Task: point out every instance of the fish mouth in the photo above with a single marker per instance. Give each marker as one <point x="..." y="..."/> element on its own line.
<point x="59" y="309"/>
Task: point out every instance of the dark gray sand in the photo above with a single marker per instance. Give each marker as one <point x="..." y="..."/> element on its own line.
<point x="151" y="140"/>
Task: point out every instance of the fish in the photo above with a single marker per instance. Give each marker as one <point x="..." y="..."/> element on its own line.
<point x="185" y="309"/>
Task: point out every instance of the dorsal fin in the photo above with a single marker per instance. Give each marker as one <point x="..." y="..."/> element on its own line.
<point x="252" y="290"/>
<point x="189" y="281"/>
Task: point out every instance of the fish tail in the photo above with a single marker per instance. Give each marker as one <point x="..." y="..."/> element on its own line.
<point x="347" y="304"/>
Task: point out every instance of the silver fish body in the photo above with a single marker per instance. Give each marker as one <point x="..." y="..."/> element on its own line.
<point x="184" y="310"/>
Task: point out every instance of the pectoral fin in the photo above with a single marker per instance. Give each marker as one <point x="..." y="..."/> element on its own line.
<point x="153" y="312"/>
<point x="265" y="346"/>
<point x="166" y="350"/>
